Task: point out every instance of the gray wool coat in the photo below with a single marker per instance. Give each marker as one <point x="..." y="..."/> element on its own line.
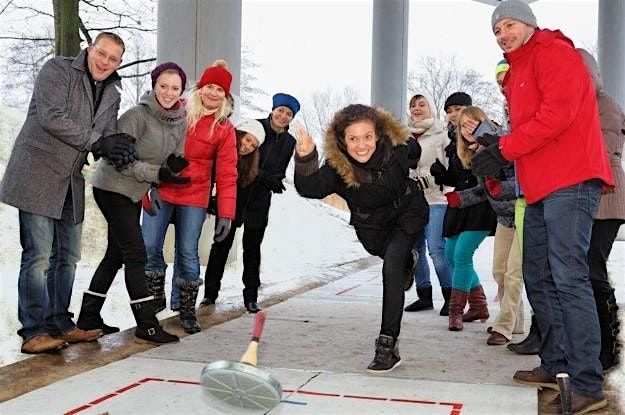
<point x="51" y="148"/>
<point x="159" y="133"/>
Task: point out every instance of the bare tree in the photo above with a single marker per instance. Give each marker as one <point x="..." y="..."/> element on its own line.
<point x="438" y="77"/>
<point x="318" y="111"/>
<point x="66" y="27"/>
<point x="249" y="92"/>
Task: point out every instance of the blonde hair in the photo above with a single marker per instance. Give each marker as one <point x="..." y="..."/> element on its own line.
<point x="464" y="152"/>
<point x="197" y="111"/>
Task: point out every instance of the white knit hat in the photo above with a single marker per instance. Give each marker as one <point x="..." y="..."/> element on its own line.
<point x="253" y="127"/>
<point x="515" y="10"/>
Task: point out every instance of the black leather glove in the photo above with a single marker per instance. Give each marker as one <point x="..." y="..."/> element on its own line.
<point x="437" y="169"/>
<point x="487" y="139"/>
<point x="119" y="148"/>
<point x="176" y="163"/>
<point x="222" y="229"/>
<point x="272" y="183"/>
<point x="488" y="161"/>
<point x="167" y="176"/>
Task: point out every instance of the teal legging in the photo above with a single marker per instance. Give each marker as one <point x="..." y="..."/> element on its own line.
<point x="459" y="250"/>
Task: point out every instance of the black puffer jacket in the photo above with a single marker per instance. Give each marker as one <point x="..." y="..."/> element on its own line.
<point x="379" y="193"/>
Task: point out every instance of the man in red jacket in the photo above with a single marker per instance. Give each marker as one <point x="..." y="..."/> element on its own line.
<point x="561" y="163"/>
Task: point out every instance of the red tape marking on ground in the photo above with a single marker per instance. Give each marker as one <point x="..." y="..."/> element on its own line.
<point x="456" y="407"/>
<point x="355" y="286"/>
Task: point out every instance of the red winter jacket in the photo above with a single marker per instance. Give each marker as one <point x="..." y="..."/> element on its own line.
<point x="556" y="135"/>
<point x="202" y="150"/>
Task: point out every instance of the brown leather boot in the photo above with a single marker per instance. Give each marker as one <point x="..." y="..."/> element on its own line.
<point x="456" y="307"/>
<point x="478" y="306"/>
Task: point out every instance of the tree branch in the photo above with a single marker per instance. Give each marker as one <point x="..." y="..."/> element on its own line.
<point x="137" y="62"/>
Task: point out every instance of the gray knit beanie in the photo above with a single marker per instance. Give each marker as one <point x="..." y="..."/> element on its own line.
<point x="513" y="9"/>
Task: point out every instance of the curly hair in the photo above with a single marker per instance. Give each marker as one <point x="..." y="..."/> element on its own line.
<point x="348" y="116"/>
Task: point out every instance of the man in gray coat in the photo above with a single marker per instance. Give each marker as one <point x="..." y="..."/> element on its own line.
<point x="73" y="110"/>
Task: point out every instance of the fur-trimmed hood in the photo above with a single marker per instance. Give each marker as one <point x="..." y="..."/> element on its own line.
<point x="392" y="131"/>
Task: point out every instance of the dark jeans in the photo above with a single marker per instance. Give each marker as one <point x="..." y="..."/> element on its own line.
<point x="125" y="245"/>
<point x="555" y="269"/>
<point x="50" y="252"/>
<point x="604" y="233"/>
<point x="394" y="247"/>
<point x="216" y="265"/>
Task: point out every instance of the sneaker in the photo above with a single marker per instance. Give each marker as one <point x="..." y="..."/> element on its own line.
<point x="386" y="355"/>
<point x="77" y="335"/>
<point x="43" y="343"/>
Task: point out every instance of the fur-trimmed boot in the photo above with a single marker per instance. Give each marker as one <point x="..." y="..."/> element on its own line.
<point x="89" y="317"/>
<point x="446" y="296"/>
<point x="478" y="306"/>
<point x="607" y="310"/>
<point x="149" y="329"/>
<point x="156" y="288"/>
<point x="386" y="355"/>
<point x="188" y="297"/>
<point x="457" y="302"/>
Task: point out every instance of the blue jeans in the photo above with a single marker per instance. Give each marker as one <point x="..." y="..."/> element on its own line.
<point x="555" y="269"/>
<point x="459" y="250"/>
<point x="50" y="252"/>
<point x="436" y="246"/>
<point x="189" y="221"/>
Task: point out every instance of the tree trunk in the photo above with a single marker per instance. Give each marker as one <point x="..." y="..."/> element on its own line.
<point x="66" y="27"/>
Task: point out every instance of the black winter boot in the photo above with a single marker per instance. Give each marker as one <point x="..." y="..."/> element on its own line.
<point x="188" y="297"/>
<point x="446" y="296"/>
<point x="424" y="302"/>
<point x="89" y="317"/>
<point x="531" y="344"/>
<point x="386" y="355"/>
<point x="609" y="323"/>
<point x="411" y="266"/>
<point x="156" y="288"/>
<point x="149" y="329"/>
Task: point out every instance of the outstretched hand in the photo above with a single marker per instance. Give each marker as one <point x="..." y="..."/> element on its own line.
<point x="305" y="144"/>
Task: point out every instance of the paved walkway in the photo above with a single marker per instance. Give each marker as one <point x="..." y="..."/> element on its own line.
<point x="317" y="344"/>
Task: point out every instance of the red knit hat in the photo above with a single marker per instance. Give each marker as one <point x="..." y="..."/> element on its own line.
<point x="217" y="75"/>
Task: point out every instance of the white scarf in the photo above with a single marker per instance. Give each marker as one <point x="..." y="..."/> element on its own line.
<point x="420" y="127"/>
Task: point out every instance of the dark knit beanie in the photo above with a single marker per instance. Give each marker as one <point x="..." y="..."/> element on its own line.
<point x="285" y="100"/>
<point x="515" y="10"/>
<point x="156" y="72"/>
<point x="458" y="98"/>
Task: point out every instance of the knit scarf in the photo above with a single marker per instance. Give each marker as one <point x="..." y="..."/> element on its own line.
<point x="420" y="127"/>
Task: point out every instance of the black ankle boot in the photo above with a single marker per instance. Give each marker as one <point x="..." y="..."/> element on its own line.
<point x="252" y="307"/>
<point x="386" y="355"/>
<point x="188" y="297"/>
<point x="445" y="307"/>
<point x="424" y="302"/>
<point x="89" y="317"/>
<point x="156" y="288"/>
<point x="149" y="329"/>
<point x="531" y="344"/>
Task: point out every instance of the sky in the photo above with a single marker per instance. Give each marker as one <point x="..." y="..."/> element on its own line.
<point x="304" y="46"/>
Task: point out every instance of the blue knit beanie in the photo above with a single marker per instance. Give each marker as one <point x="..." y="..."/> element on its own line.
<point x="285" y="100"/>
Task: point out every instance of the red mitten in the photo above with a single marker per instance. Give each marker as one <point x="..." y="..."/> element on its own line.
<point x="453" y="199"/>
<point x="151" y="202"/>
<point x="493" y="186"/>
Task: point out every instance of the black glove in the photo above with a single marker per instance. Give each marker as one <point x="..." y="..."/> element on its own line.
<point x="176" y="163"/>
<point x="487" y="139"/>
<point x="222" y="229"/>
<point x="437" y="169"/>
<point x="167" y="176"/>
<point x="272" y="183"/>
<point x="488" y="161"/>
<point x="119" y="148"/>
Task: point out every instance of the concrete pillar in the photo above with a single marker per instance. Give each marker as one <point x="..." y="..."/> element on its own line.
<point x="194" y="33"/>
<point x="611" y="48"/>
<point x="389" y="55"/>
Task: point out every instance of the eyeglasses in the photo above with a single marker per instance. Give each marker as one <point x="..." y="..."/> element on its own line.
<point x="113" y="60"/>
